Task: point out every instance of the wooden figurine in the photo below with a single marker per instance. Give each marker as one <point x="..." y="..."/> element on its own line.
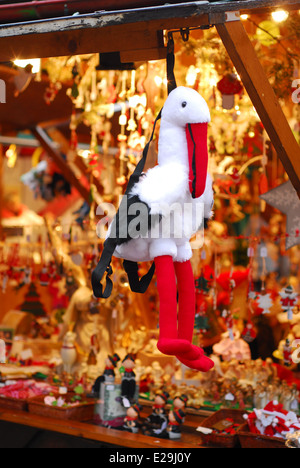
<point x="176" y="419"/>
<point x="108" y="375"/>
<point x="128" y="386"/>
<point x="131" y="421"/>
<point x="68" y="352"/>
<point x="156" y="422"/>
<point x="180" y="402"/>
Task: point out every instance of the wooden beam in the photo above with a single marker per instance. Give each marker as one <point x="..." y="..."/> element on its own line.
<point x="143" y="55"/>
<point x="46" y="143"/>
<point x="62" y="41"/>
<point x="260" y="91"/>
<point x="118" y="31"/>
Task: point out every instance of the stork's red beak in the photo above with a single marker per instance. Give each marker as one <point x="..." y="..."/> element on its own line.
<point x="196" y="135"/>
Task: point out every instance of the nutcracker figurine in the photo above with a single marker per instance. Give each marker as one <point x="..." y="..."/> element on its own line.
<point x="128" y="386"/>
<point x="108" y="374"/>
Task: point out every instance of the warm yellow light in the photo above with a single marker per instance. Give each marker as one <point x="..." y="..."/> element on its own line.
<point x="158" y="80"/>
<point x="85" y="154"/>
<point x="36" y="64"/>
<point x="122" y="119"/>
<point x="280" y="15"/>
<point x="213" y="82"/>
<point x="11" y="155"/>
<point x="244" y="17"/>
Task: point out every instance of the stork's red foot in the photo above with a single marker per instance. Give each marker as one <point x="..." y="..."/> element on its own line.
<point x="179" y="347"/>
<point x="203" y="363"/>
<point x="172" y="346"/>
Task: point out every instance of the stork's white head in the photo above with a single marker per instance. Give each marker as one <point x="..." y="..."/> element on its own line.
<point x="184" y="121"/>
<point x="185" y="106"/>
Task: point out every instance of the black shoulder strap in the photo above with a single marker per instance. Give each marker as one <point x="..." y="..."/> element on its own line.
<point x="137" y="284"/>
<point x="131" y="268"/>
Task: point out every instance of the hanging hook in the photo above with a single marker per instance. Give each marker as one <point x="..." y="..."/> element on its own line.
<point x="185" y="34"/>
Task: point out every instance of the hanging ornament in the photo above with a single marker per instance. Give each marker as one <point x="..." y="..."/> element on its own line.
<point x="228" y="319"/>
<point x="93" y="154"/>
<point x="285" y="199"/>
<point x="288" y="300"/>
<point x="264" y="301"/>
<point x="73" y="146"/>
<point x="202" y="285"/>
<point x="51" y="92"/>
<point x="229" y="86"/>
<point x="201" y="319"/>
<point x="248" y="334"/>
<point x="263" y="180"/>
<point x="44" y="277"/>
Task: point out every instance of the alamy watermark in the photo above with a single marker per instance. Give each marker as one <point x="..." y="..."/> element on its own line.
<point x="163" y="221"/>
<point x="2" y="92"/>
<point x="295" y="345"/>
<point x="296" y="93"/>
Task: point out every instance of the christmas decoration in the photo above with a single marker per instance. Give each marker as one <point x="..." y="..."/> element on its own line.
<point x="285" y="199"/>
<point x="264" y="302"/>
<point x="288" y="300"/>
<point x="32" y="302"/>
<point x="229" y="86"/>
<point x="187" y="143"/>
<point x="248" y="333"/>
<point x="273" y="421"/>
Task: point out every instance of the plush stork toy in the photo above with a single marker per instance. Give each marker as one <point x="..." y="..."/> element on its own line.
<point x="172" y="192"/>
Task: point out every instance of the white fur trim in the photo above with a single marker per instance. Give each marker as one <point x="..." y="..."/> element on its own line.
<point x="184" y="252"/>
<point x="160" y="247"/>
<point x="162" y="186"/>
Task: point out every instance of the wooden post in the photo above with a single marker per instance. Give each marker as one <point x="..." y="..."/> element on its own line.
<point x="244" y="58"/>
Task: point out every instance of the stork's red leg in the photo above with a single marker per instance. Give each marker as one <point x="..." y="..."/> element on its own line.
<point x="169" y="343"/>
<point x="187" y="299"/>
<point x="194" y="357"/>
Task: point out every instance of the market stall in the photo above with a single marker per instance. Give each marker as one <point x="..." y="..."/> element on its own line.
<point x="85" y="357"/>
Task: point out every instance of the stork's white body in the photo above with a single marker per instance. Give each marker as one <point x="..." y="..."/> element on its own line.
<point x="165" y="188"/>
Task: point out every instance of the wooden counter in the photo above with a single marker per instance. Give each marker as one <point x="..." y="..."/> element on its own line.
<point x="25" y="430"/>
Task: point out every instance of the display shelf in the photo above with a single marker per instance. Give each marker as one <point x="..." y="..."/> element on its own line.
<point x="91" y="432"/>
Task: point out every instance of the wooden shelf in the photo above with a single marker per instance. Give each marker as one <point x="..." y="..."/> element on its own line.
<point x="91" y="432"/>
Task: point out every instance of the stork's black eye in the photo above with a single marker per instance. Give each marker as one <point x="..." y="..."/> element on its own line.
<point x="184" y="104"/>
